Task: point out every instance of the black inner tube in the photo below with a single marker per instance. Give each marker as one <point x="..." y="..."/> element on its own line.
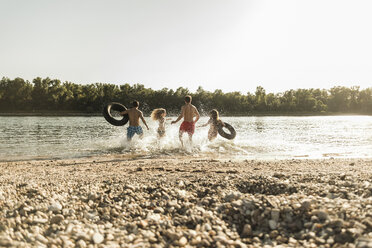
<point x="118" y="107"/>
<point x="222" y="132"/>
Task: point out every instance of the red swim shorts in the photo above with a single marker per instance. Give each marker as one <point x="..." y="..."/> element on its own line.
<point x="188" y="127"/>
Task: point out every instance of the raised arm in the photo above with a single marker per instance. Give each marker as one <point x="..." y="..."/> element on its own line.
<point x="180" y="116"/>
<point x="143" y="120"/>
<point x="206" y="124"/>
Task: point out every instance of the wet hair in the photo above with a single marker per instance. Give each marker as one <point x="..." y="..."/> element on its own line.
<point x="214" y="114"/>
<point x="135" y="104"/>
<point x="157" y="114"/>
<point x="188" y="98"/>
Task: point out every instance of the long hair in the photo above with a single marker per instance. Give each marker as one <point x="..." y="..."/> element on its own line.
<point x="157" y="114"/>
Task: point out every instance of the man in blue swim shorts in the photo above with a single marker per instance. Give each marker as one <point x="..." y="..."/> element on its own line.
<point x="134" y="116"/>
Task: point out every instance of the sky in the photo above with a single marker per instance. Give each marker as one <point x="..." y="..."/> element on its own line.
<point x="233" y="45"/>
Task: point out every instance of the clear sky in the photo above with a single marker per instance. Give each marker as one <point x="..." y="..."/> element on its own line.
<point x="233" y="45"/>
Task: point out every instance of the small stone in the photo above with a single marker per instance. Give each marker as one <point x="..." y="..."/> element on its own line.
<point x="182" y="241"/>
<point x="181" y="184"/>
<point x="83" y="235"/>
<point x="237" y="203"/>
<point x="57" y="219"/>
<point x="273" y="234"/>
<point x="192" y="233"/>
<point x="110" y="237"/>
<point x="330" y="241"/>
<point x="97" y="238"/>
<point x="344" y="237"/>
<point x="322" y="215"/>
<point x="39" y="221"/>
<point x="42" y="239"/>
<point x="159" y="210"/>
<point x="368" y="222"/>
<point x="92" y="196"/>
<point x="207" y="227"/>
<point x="273" y="224"/>
<point x="232" y="196"/>
<point x="172" y="235"/>
<point x="275" y="214"/>
<point x="89" y="216"/>
<point x="247" y="230"/>
<point x="143" y="223"/>
<point x="81" y="244"/>
<point x="5" y="242"/>
<point x="55" y="207"/>
<point x="336" y="223"/>
<point x="364" y="242"/>
<point x="306" y="205"/>
<point x="153" y="217"/>
<point x="181" y="193"/>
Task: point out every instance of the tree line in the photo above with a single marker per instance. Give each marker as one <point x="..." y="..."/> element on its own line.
<point x="52" y="95"/>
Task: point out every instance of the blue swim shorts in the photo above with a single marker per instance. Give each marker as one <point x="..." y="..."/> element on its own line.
<point x="132" y="130"/>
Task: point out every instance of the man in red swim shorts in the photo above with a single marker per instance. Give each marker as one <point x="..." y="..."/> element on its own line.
<point x="188" y="112"/>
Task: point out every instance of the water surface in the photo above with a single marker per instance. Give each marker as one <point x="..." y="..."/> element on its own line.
<point x="23" y="138"/>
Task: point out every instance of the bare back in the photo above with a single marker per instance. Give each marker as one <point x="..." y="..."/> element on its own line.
<point x="189" y="111"/>
<point x="134" y="116"/>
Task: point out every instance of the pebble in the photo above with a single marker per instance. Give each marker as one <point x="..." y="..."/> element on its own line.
<point x="57" y="219"/>
<point x="275" y="214"/>
<point x="182" y="241"/>
<point x="171" y="207"/>
<point x="97" y="238"/>
<point x="81" y="244"/>
<point x="232" y="196"/>
<point x="6" y="242"/>
<point x="247" y="230"/>
<point x="273" y="224"/>
<point x="207" y="227"/>
<point x="159" y="210"/>
<point x="322" y="215"/>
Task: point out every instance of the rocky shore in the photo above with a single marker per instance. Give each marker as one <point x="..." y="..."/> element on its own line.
<point x="186" y="202"/>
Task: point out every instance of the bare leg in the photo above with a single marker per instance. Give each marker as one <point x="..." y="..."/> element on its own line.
<point x="180" y="137"/>
<point x="190" y="138"/>
<point x="212" y="135"/>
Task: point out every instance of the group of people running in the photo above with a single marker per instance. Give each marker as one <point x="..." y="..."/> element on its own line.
<point x="190" y="116"/>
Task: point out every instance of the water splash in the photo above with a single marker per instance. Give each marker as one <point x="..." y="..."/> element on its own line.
<point x="257" y="138"/>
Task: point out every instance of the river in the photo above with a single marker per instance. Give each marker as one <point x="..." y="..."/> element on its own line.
<point x="280" y="137"/>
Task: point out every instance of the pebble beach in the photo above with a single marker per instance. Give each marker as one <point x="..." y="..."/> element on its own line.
<point x="113" y="201"/>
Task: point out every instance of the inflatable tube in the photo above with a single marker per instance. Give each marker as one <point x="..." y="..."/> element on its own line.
<point x="222" y="132"/>
<point x="115" y="107"/>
